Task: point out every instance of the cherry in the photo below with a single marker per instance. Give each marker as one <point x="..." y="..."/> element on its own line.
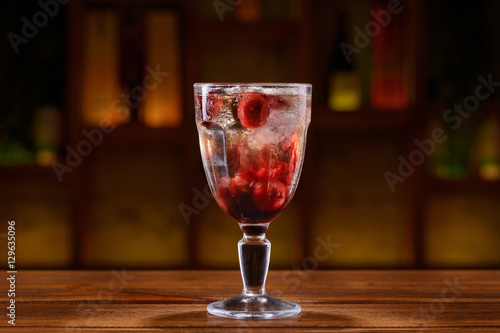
<point x="262" y="175"/>
<point x="253" y="111"/>
<point x="278" y="103"/>
<point x="269" y="196"/>
<point x="213" y="104"/>
<point x="283" y="172"/>
<point x="242" y="183"/>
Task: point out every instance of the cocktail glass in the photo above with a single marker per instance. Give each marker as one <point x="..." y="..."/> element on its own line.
<point x="252" y="141"/>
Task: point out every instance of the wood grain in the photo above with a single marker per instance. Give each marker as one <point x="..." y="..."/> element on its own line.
<point x="148" y="301"/>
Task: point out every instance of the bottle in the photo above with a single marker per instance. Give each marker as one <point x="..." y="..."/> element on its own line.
<point x="488" y="149"/>
<point x="101" y="87"/>
<point x="437" y="161"/>
<point x="46" y="134"/>
<point x="344" y="87"/>
<point x="389" y="90"/>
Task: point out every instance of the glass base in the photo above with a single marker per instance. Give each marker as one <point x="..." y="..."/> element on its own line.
<point x="253" y="307"/>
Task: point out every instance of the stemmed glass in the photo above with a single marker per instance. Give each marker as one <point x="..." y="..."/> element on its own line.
<point x="252" y="141"/>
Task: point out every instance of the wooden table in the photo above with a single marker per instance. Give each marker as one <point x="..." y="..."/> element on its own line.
<point x="351" y="301"/>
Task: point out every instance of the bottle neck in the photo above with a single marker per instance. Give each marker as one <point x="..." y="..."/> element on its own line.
<point x="339" y="61"/>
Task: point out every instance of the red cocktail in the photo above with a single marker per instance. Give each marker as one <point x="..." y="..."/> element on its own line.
<point x="252" y="140"/>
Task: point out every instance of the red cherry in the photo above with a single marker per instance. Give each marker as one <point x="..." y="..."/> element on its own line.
<point x="282" y="173"/>
<point x="253" y="111"/>
<point x="278" y="102"/>
<point x="269" y="196"/>
<point x="242" y="183"/>
<point x="263" y="175"/>
<point x="209" y="107"/>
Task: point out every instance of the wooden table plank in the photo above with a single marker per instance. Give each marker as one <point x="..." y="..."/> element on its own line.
<point x="205" y="286"/>
<point x="267" y="329"/>
<point x="313" y="316"/>
<point x="374" y="301"/>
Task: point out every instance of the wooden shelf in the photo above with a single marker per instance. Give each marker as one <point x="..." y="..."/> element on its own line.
<point x="134" y="3"/>
<point x="26" y="171"/>
<point x="471" y="184"/>
<point x="140" y="135"/>
<point x="360" y="120"/>
<point x="261" y="31"/>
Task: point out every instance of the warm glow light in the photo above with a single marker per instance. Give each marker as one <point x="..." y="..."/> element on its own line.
<point x="163" y="106"/>
<point x="488" y="147"/>
<point x="45" y="157"/>
<point x="46" y="134"/>
<point x="345" y="94"/>
<point x="490" y="171"/>
<point x="248" y="11"/>
<point x="101" y="69"/>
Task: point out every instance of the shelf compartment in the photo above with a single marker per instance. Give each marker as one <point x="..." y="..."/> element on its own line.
<point x="363" y="119"/>
<point x="262" y="31"/>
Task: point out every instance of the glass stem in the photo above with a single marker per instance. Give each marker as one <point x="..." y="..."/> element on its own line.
<point x="254" y="253"/>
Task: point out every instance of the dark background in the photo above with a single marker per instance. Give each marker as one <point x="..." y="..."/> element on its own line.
<point x="122" y="204"/>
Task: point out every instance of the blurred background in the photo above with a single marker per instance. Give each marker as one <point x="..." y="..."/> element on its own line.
<point x="99" y="157"/>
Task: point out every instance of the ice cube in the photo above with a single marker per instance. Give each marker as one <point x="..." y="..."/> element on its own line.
<point x="278" y="103"/>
